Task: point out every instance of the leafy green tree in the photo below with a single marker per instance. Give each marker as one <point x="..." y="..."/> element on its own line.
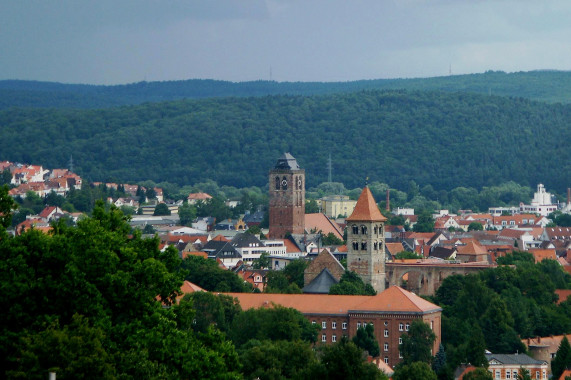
<point x="407" y="255"/>
<point x="5" y="177"/>
<point x="7" y="205"/>
<point x="414" y="371"/>
<point x="478" y="374"/>
<point x="562" y="359"/>
<point x="476" y="348"/>
<point x="162" y="209"/>
<point x="352" y="284"/>
<point x="475" y="226"/>
<point x="280" y="359"/>
<point x="424" y="223"/>
<point x="212" y="309"/>
<point x="311" y="207"/>
<point x="206" y="274"/>
<point x="331" y="239"/>
<point x="263" y="262"/>
<point x="523" y="374"/>
<point x="275" y="323"/>
<point x="417" y="343"/>
<point x="149" y="229"/>
<point x="515" y="258"/>
<point x="295" y="270"/>
<point x="279" y="282"/>
<point x="439" y="362"/>
<point x="365" y="339"/>
<point x="343" y="360"/>
<point x="187" y="214"/>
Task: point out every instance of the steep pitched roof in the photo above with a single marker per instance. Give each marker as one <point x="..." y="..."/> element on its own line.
<point x="366" y="209"/>
<point x="243" y="240"/>
<point x="287" y="161"/>
<point x="320" y="222"/>
<point x="321" y="284"/>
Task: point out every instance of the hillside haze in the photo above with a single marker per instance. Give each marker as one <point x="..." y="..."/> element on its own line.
<point x="444" y="139"/>
<point x="547" y="86"/>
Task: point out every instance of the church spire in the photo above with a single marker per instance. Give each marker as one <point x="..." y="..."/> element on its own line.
<point x="366" y="209"/>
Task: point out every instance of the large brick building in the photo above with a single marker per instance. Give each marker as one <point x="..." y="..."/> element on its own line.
<point x="390" y="312"/>
<point x="287" y="198"/>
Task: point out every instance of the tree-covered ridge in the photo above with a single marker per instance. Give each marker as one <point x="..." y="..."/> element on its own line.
<point x="389" y="136"/>
<point x="547" y="86"/>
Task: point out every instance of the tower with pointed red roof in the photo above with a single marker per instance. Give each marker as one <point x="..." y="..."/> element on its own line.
<point x="287" y="198"/>
<point x="366" y="241"/>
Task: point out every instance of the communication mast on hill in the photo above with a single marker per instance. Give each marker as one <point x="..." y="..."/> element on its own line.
<point x="70" y="163"/>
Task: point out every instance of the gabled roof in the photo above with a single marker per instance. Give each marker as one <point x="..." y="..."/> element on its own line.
<point x="220" y="238"/>
<point x="243" y="240"/>
<point x="366" y="209"/>
<point x="321" y="284"/>
<point x="471" y="248"/>
<point x="394" y="248"/>
<point x="442" y="252"/>
<point x="513" y="359"/>
<point x="287" y="161"/>
<point x="393" y="299"/>
<point x="542" y="254"/>
<point x="321" y="222"/>
<point x="199" y="196"/>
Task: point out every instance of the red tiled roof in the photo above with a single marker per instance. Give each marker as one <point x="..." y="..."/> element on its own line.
<point x="366" y="209"/>
<point x="185" y="254"/>
<point x="199" y="196"/>
<point x="392" y="299"/>
<point x="320" y="222"/>
<point x="220" y="238"/>
<point x="290" y="246"/>
<point x="542" y="254"/>
<point x="563" y="294"/>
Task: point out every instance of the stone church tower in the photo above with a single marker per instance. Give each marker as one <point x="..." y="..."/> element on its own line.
<point x="287" y="198"/>
<point x="366" y="241"/>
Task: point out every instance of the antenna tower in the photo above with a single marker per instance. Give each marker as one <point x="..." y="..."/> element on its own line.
<point x="70" y="163"/>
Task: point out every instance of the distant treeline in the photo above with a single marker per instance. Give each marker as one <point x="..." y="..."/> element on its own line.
<point x="446" y="140"/>
<point x="547" y="86"/>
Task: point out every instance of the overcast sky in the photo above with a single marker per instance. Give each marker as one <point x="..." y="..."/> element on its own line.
<point x="125" y="41"/>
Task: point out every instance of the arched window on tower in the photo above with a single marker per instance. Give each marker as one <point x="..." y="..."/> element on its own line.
<point x="355" y="229"/>
<point x="376" y="246"/>
<point x="364" y="246"/>
<point x="355" y="246"/>
<point x="375" y="230"/>
<point x="277" y="183"/>
<point x="364" y="230"/>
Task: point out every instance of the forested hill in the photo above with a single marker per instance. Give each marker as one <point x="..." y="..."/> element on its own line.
<point x="547" y="86"/>
<point x="444" y="139"/>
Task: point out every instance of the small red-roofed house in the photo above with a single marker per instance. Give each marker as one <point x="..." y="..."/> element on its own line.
<point x="543" y="254"/>
<point x="195" y="197"/>
<point x="51" y="213"/>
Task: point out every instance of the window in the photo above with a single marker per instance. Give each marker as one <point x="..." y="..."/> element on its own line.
<point x="400" y="326"/>
<point x="355" y="246"/>
<point x="364" y="324"/>
<point x="358" y="325"/>
<point x="400" y="340"/>
<point x="323" y="325"/>
<point x="334" y="338"/>
<point x="508" y="375"/>
<point x="400" y="355"/>
<point x="333" y="325"/>
<point x="386" y="360"/>
<point x="364" y="230"/>
<point x="544" y="375"/>
<point x="375" y="246"/>
<point x="407" y="326"/>
<point x="386" y="323"/>
<point x="344" y="325"/>
<point x="386" y="346"/>
<point x="386" y="333"/>
<point x="537" y="375"/>
<point x="498" y="374"/>
<point x="515" y="374"/>
<point x="324" y="338"/>
<point x="313" y="322"/>
<point x="364" y="246"/>
<point x="355" y="230"/>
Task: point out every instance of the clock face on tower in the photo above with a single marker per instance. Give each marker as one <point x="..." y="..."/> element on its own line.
<point x="284" y="183"/>
<point x="299" y="183"/>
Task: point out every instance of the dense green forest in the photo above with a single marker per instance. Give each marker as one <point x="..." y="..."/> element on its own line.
<point x="442" y="139"/>
<point x="548" y="86"/>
